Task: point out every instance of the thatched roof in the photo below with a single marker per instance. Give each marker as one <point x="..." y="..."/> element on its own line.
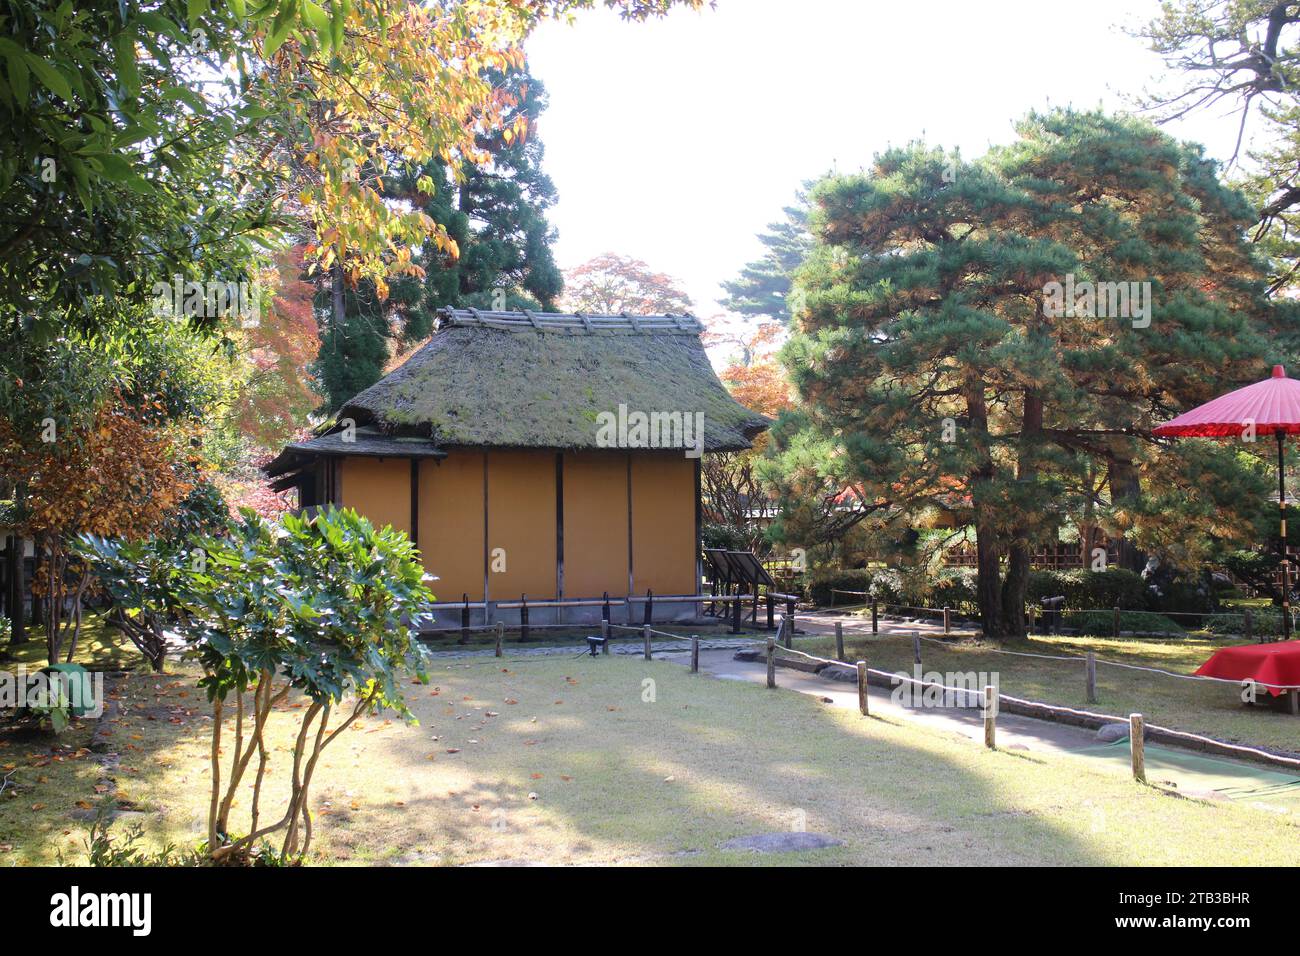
<point x="366" y="442"/>
<point x="541" y="380"/>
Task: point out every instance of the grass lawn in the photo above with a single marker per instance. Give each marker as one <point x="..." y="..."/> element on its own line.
<point x="1199" y="706"/>
<point x="615" y="777"/>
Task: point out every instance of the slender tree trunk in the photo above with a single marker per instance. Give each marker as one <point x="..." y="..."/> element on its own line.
<point x="14" y="577"/>
<point x="1020" y="556"/>
<point x="1125" y="491"/>
<point x="987" y="544"/>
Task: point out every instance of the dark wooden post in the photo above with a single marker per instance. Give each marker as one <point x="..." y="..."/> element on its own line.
<point x="875" y="618"/>
<point x="523" y="618"/>
<point x="501" y="633"/>
<point x="464" y="618"/>
<point x="771" y="662"/>
<point x="916" y="646"/>
<point x="1090" y="671"/>
<point x="649" y="607"/>
<point x="736" y="611"/>
<point x="789" y="613"/>
<point x="947" y="621"/>
<point x="839" y="640"/>
<point x="604" y="612"/>
<point x="862" y="688"/>
<point x="695" y="653"/>
<point x="771" y="611"/>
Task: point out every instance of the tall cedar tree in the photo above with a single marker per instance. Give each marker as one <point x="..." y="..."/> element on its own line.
<point x="934" y="372"/>
<point x="497" y="217"/>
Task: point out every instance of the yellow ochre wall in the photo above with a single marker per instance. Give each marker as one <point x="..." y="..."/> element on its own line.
<point x="663" y="524"/>
<point x="451" y="524"/>
<point x="379" y="488"/>
<point x="595" y="524"/>
<point x="521" y="519"/>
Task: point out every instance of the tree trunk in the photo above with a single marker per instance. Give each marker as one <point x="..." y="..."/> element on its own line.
<point x="14" y="575"/>
<point x="987" y="545"/>
<point x="1016" y="585"/>
<point x="1125" y="490"/>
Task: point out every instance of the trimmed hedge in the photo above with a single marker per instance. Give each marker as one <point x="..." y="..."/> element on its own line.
<point x="1089" y="590"/>
<point x="1102" y="623"/>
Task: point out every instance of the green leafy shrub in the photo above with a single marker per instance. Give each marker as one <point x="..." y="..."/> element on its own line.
<point x="1101" y="623"/>
<point x="1089" y="590"/>
<point x="1265" y="622"/>
<point x="955" y="588"/>
<point x="881" y="584"/>
<point x="326" y="607"/>
<point x="714" y="535"/>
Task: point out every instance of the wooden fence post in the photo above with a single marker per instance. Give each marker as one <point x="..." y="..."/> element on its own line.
<point x="862" y="688"/>
<point x="649" y="607"/>
<point x="1090" y="672"/>
<point x="990" y="717"/>
<point x="771" y="662"/>
<point x="916" y="646"/>
<point x="771" y="611"/>
<point x="1114" y="623"/>
<point x="875" y="618"/>
<point x="789" y="613"/>
<point x="1137" y="747"/>
<point x="501" y="633"/>
<point x="604" y="636"/>
<point x="464" y="619"/>
<point x="646" y="632"/>
<point x="839" y="640"/>
<point x="523" y="618"/>
<point x="695" y="653"/>
<point x="947" y="621"/>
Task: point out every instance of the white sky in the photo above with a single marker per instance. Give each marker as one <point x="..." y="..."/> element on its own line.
<point x="676" y="141"/>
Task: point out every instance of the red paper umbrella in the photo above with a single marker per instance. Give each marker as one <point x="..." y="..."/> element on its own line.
<point x="1270" y="407"/>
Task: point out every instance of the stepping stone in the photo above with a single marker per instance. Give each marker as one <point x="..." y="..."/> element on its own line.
<point x="1109" y="733"/>
<point x="781" y="842"/>
<point x="839" y="672"/>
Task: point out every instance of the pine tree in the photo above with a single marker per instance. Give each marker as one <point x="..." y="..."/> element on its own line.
<point x="940" y="368"/>
<point x="761" y="289"/>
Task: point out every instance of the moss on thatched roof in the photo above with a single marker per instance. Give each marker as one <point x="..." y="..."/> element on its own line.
<point x="540" y="380"/>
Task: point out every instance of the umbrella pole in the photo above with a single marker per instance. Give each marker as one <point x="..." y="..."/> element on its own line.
<point x="1286" y="571"/>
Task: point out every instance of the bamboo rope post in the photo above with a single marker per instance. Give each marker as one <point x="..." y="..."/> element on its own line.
<point x="646" y="633"/>
<point x="862" y="689"/>
<point x="695" y="653"/>
<point x="839" y="640"/>
<point x="501" y="633"/>
<point x="990" y="717"/>
<point x="771" y="662"/>
<point x="604" y="636"/>
<point x="1090" y="671"/>
<point x="916" y="646"/>
<point x="1137" y="747"/>
<point x="947" y="621"/>
<point x="875" y="618"/>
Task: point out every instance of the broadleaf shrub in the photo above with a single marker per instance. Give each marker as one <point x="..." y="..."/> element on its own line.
<point x="325" y="606"/>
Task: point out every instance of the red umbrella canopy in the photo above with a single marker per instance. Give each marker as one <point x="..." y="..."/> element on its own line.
<point x="1272" y="405"/>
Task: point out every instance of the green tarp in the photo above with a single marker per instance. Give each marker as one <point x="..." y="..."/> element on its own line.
<point x="1199" y="773"/>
